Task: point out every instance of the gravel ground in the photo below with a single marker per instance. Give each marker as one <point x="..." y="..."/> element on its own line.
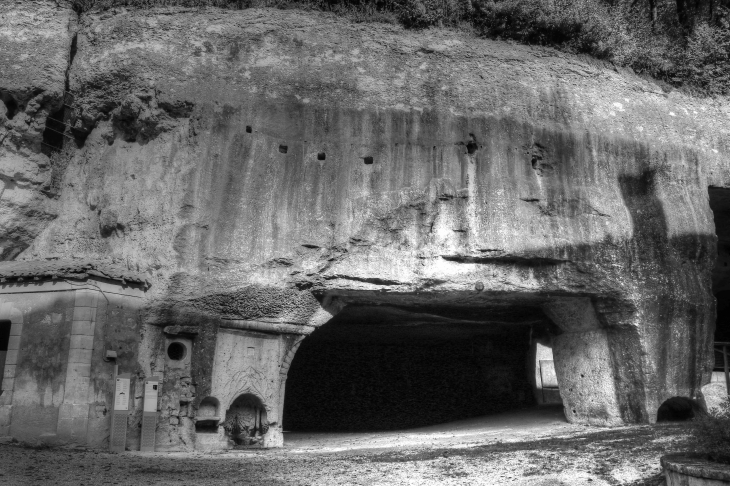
<point x="573" y="457"/>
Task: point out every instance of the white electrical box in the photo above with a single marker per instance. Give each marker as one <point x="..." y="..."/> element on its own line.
<point x="149" y="413"/>
<point x="118" y="433"/>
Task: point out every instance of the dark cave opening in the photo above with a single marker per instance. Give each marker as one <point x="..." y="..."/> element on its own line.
<point x="385" y="368"/>
<point x="54" y="133"/>
<point x="4" y="342"/>
<point x="679" y="409"/>
<point x="11" y="106"/>
<point x="720" y="205"/>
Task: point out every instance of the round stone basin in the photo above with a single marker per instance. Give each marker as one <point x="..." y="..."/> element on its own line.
<point x="695" y="470"/>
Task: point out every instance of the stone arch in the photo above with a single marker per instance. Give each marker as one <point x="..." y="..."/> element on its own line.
<point x="246" y="421"/>
<point x="679" y="409"/>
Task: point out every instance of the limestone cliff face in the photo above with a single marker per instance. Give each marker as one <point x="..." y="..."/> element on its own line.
<point x="277" y="166"/>
<point x="35" y="46"/>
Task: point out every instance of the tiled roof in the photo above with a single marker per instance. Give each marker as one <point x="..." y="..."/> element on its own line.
<point x="77" y="269"/>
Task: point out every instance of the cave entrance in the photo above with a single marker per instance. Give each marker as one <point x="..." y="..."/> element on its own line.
<point x="381" y="367"/>
<point x="679" y="409"/>
<point x="720" y="205"/>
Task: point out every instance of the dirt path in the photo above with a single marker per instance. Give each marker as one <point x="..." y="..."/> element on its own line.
<point x="514" y="426"/>
<point x="527" y="448"/>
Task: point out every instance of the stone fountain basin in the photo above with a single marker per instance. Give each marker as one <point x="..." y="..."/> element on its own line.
<point x="695" y="470"/>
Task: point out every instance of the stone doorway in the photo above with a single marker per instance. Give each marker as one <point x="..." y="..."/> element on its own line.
<point x="246" y="422"/>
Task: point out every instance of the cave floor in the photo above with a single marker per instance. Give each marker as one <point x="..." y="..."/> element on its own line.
<point x="529" y="447"/>
<point x="520" y="425"/>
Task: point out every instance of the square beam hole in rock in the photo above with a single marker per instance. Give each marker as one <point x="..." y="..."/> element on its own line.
<point x="283" y="149"/>
<point x="368" y="160"/>
<point x="321" y="156"/>
<point x="248" y="128"/>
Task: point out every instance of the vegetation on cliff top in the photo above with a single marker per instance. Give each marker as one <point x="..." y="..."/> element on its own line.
<point x="685" y="43"/>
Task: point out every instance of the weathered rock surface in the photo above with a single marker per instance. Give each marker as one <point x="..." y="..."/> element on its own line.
<point x="35" y="47"/>
<point x="277" y="166"/>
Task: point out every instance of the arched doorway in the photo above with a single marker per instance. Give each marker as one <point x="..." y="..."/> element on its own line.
<point x="246" y="421"/>
<point x="679" y="409"/>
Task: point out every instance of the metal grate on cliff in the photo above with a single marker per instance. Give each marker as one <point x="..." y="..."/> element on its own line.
<point x="61" y="126"/>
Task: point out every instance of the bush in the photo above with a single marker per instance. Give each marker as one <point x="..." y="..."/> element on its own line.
<point x="705" y="62"/>
<point x="711" y="433"/>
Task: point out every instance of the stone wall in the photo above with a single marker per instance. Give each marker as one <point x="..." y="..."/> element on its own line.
<point x="57" y="387"/>
<point x="35" y="50"/>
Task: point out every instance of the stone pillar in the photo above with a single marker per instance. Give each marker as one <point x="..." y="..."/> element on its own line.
<point x="586" y="377"/>
<point x="583" y="364"/>
<point x="618" y="365"/>
<point x="73" y="415"/>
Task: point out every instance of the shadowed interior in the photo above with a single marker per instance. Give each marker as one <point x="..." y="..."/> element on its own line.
<point x="720" y="205"/>
<point x="388" y="367"/>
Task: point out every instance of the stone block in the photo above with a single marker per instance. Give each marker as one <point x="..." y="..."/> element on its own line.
<point x="274" y="438"/>
<point x="79" y="355"/>
<point x="16" y="328"/>
<point x="7" y="385"/>
<point x="77" y="388"/>
<point x="11" y="357"/>
<point x="82" y="328"/>
<point x="85" y="298"/>
<point x="73" y="410"/>
<point x="14" y="342"/>
<point x="82" y="369"/>
<point x="9" y="372"/>
<point x="5" y="415"/>
<point x="82" y="342"/>
<point x="84" y="313"/>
